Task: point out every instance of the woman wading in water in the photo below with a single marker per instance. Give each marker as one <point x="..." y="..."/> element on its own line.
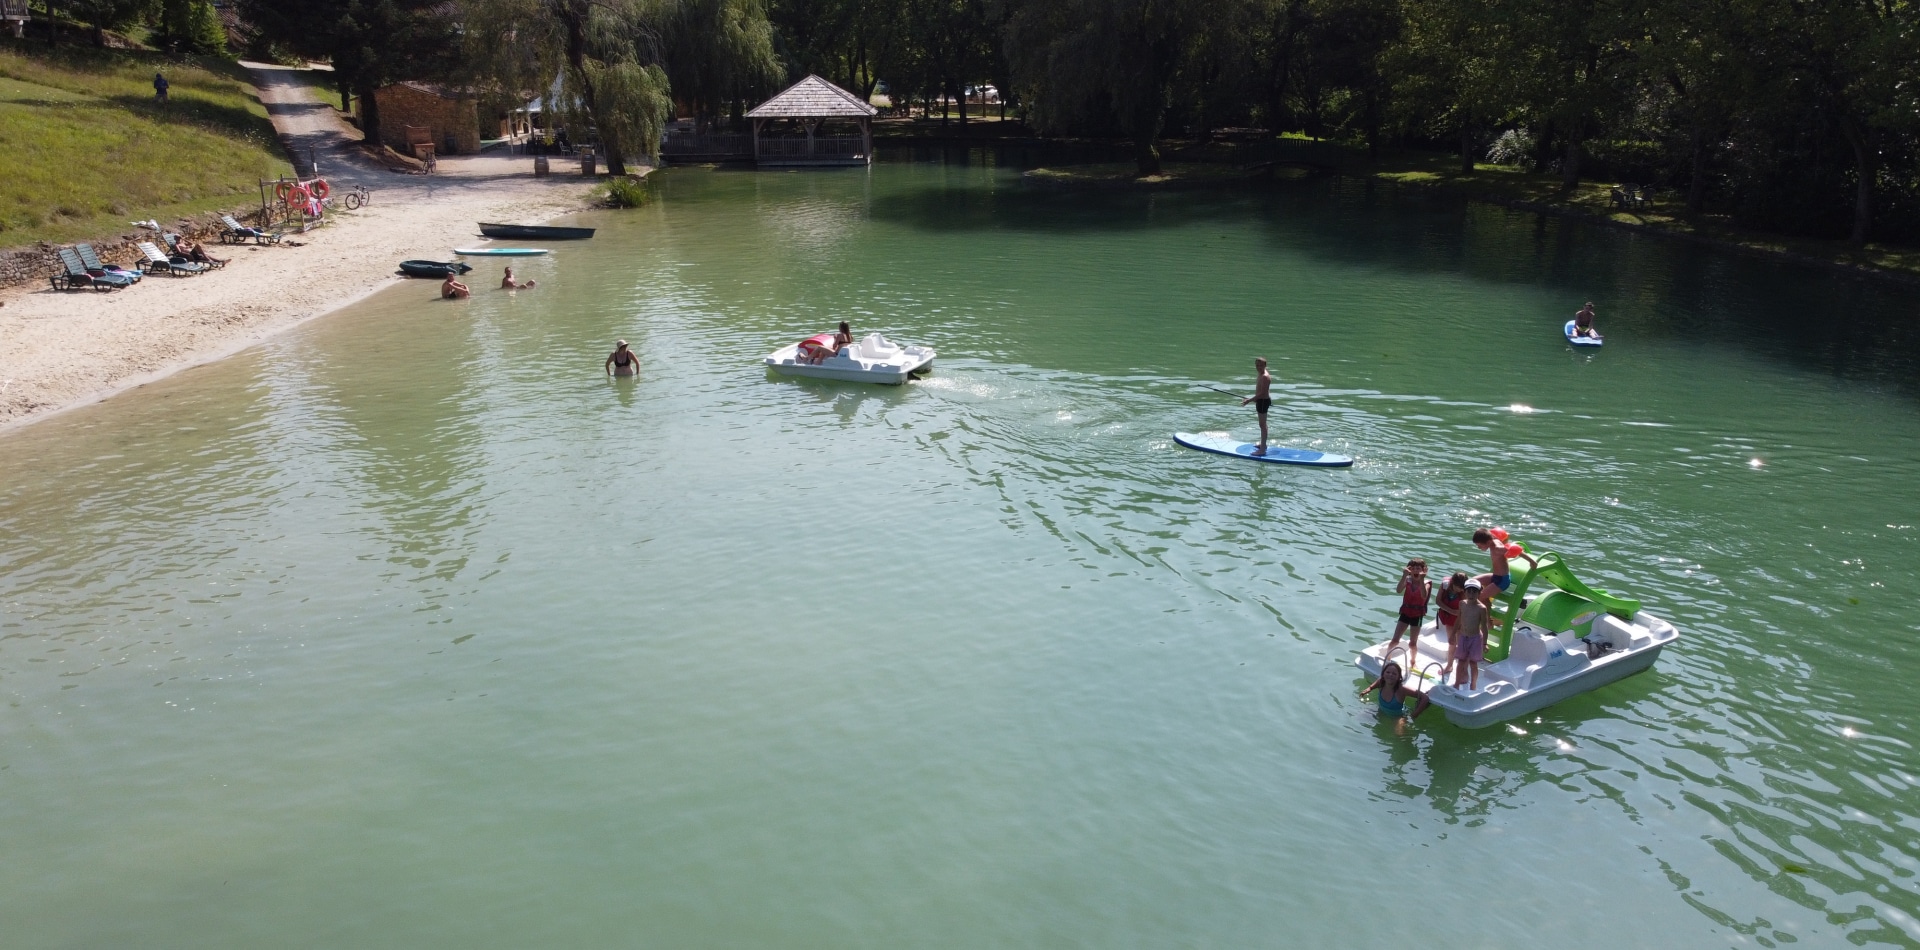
<point x="622" y="361"/>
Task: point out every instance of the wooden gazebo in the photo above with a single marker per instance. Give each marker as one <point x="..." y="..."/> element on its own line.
<point x="810" y="103"/>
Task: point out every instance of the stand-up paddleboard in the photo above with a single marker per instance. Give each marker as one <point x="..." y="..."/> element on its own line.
<point x="1581" y="340"/>
<point x="499" y="251"/>
<point x="1220" y="445"/>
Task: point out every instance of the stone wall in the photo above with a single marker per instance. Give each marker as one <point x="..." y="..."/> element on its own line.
<point x="36" y="263"/>
<point x="454" y="121"/>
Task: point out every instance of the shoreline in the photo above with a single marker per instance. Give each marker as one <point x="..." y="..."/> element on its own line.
<point x="1187" y="175"/>
<point x="68" y="349"/>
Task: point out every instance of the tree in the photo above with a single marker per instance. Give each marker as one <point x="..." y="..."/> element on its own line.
<point x="1448" y="66"/>
<point x="371" y="43"/>
<point x="190" y="28"/>
<point x="607" y="54"/>
<point x="718" y="53"/>
<point x="104" y="15"/>
<point x="1084" y="64"/>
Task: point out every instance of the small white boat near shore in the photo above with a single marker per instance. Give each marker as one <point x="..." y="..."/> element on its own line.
<point x="1568" y="640"/>
<point x="872" y="359"/>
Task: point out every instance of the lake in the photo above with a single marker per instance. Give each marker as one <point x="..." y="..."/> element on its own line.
<point x="410" y="628"/>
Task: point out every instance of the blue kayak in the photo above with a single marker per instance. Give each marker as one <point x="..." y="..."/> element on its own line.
<point x="1220" y="445"/>
<point x="1593" y="340"/>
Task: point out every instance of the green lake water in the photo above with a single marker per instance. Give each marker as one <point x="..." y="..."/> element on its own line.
<point x="411" y="629"/>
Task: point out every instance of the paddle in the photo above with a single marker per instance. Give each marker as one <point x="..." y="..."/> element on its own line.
<point x="1222" y="391"/>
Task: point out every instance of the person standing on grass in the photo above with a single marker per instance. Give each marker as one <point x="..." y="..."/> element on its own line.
<point x="1262" y="399"/>
<point x="160" y="89"/>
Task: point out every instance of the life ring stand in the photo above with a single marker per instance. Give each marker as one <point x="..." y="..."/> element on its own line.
<point x="290" y="191"/>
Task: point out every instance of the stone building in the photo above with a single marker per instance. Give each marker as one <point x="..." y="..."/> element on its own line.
<point x="449" y="113"/>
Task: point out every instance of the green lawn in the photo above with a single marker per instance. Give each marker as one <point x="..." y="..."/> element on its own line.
<point x="88" y="150"/>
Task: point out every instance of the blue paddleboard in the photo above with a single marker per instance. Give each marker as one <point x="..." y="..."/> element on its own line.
<point x="1221" y="445"/>
<point x="499" y="251"/>
<point x="1580" y="340"/>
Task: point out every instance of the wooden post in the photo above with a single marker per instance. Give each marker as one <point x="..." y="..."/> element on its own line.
<point x="756" y="140"/>
<point x="866" y="137"/>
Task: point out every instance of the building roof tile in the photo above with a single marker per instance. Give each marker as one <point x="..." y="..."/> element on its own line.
<point x="812" y="98"/>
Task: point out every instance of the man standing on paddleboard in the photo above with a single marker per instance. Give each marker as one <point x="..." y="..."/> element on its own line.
<point x="1262" y="399"/>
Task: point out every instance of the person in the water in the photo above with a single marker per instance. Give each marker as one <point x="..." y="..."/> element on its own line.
<point x="508" y="283"/>
<point x="622" y="361"/>
<point x="1394" y="693"/>
<point x="453" y="289"/>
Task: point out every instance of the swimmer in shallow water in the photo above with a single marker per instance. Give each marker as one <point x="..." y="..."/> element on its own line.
<point x="622" y="361"/>
<point x="454" y="290"/>
<point x="1394" y="693"/>
<point x="508" y="283"/>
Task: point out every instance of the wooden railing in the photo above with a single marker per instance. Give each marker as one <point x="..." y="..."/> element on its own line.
<point x="706" y="143"/>
<point x="823" y="146"/>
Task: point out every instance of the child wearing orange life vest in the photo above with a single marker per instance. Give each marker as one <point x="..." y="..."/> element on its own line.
<point x="1415" y="591"/>
<point x="1494" y="542"/>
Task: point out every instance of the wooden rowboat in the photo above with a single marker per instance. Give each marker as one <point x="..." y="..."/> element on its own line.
<point x="534" y="232"/>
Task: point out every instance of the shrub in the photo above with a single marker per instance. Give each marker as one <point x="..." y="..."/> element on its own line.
<point x="1513" y="147"/>
<point x="626" y="192"/>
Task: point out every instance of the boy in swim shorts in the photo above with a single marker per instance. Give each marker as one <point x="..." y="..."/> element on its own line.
<point x="1496" y="583"/>
<point x="1470" y="633"/>
<point x="1262" y="399"/>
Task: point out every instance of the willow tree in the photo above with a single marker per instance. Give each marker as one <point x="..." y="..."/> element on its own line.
<point x="607" y="55"/>
<point x="1092" y="65"/>
<point x="718" y="53"/>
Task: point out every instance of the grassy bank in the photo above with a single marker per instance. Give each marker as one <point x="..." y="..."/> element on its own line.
<point x="88" y="150"/>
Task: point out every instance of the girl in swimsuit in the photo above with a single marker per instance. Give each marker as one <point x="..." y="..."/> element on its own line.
<point x="842" y="338"/>
<point x="1414" y="590"/>
<point x="622" y="361"/>
<point x="1451" y="594"/>
<point x="1394" y="693"/>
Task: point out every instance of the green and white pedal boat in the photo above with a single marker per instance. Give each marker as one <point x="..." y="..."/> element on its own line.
<point x="1562" y="641"/>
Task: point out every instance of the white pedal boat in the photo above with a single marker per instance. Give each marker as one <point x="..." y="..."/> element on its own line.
<point x="1569" y="640"/>
<point x="873" y="359"/>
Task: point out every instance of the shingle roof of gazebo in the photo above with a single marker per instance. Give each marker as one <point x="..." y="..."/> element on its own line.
<point x="812" y="98"/>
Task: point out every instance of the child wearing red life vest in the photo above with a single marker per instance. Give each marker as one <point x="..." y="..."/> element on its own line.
<point x="1450" y="595"/>
<point x="1415" y="591"/>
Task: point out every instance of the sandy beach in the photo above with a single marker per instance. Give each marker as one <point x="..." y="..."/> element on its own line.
<point x="65" y="349"/>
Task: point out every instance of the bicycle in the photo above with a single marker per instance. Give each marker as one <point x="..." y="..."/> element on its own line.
<point x="357" y="197"/>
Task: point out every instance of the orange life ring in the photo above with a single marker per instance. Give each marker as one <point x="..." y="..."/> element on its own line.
<point x="282" y="190"/>
<point x="318" y="188"/>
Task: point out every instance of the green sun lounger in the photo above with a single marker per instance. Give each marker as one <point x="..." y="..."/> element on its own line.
<point x="74" y="275"/>
<point x="91" y="258"/>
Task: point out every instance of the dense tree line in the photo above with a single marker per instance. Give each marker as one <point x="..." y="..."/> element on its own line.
<point x="1794" y="115"/>
<point x="180" y="27"/>
<point x="1800" y="116"/>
